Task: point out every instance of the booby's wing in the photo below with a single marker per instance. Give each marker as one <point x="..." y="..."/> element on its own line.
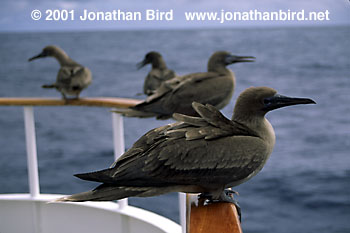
<point x="175" y="94"/>
<point x="77" y="77"/>
<point x="197" y="151"/>
<point x="152" y="81"/>
<point x="155" y="78"/>
<point x="210" y="125"/>
<point x="163" y="89"/>
<point x="82" y="78"/>
<point x="168" y="74"/>
<point x="66" y="73"/>
<point x="155" y="74"/>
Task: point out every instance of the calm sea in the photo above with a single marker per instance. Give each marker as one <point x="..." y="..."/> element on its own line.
<point x="305" y="186"/>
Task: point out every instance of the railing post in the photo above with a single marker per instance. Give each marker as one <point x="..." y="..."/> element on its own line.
<point x="32" y="161"/>
<point x="182" y="210"/>
<point x="119" y="145"/>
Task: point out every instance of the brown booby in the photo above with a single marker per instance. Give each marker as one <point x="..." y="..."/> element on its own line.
<point x="176" y="95"/>
<point x="205" y="154"/>
<point x="72" y="77"/>
<point x="158" y="74"/>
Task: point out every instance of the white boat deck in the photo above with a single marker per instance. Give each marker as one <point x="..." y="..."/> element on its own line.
<point x="21" y="213"/>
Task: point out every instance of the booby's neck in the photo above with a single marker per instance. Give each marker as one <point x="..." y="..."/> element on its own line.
<point x="230" y="82"/>
<point x="260" y="125"/>
<point x="159" y="64"/>
<point x="218" y="68"/>
<point x="63" y="58"/>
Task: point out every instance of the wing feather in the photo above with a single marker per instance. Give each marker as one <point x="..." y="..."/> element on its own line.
<point x="169" y="97"/>
<point x="209" y="148"/>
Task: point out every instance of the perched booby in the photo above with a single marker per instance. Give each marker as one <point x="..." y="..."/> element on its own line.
<point x="176" y="95"/>
<point x="158" y="74"/>
<point x="204" y="154"/>
<point x="72" y="77"/>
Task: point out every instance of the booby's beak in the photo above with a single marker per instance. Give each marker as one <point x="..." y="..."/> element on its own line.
<point x="142" y="63"/>
<point x="234" y="59"/>
<point x="42" y="54"/>
<point x="279" y="101"/>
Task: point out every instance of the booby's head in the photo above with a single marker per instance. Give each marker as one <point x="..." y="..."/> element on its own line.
<point x="49" y="51"/>
<point x="153" y="58"/>
<point x="257" y="101"/>
<point x="223" y="58"/>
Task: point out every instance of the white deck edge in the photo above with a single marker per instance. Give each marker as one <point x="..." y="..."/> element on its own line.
<point x="140" y="214"/>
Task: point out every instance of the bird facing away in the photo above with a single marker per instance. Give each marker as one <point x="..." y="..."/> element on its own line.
<point x="72" y="77"/>
<point x="158" y="74"/>
<point x="176" y="95"/>
<point x="204" y="154"/>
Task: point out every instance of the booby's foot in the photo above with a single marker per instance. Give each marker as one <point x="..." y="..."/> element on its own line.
<point x="225" y="196"/>
<point x="67" y="100"/>
<point x="230" y="192"/>
<point x="205" y="198"/>
<point x="64" y="97"/>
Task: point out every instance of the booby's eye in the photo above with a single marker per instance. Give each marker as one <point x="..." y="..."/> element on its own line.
<point x="266" y="101"/>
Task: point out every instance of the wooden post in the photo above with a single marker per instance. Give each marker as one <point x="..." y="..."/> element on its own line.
<point x="212" y="218"/>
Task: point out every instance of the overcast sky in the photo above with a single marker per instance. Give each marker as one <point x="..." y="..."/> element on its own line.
<point x="16" y="15"/>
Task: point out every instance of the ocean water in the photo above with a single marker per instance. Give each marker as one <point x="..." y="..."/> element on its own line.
<point x="305" y="185"/>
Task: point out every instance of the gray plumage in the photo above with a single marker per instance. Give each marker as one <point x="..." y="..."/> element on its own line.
<point x="158" y="74"/>
<point x="72" y="77"/>
<point x="176" y="95"/>
<point x="204" y="154"/>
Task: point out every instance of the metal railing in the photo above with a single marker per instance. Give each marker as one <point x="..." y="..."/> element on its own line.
<point x="118" y="136"/>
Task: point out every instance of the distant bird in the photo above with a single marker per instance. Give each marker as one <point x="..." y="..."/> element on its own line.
<point x="205" y="154"/>
<point x="72" y="77"/>
<point x="158" y="74"/>
<point x="176" y="95"/>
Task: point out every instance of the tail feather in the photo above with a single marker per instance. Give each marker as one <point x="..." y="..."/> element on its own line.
<point x="134" y="113"/>
<point x="48" y="86"/>
<point x="103" y="176"/>
<point x="104" y="193"/>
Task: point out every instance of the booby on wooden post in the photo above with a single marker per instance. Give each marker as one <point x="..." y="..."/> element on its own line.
<point x="72" y="77"/>
<point x="206" y="154"/>
<point x="176" y="95"/>
<point x="158" y="74"/>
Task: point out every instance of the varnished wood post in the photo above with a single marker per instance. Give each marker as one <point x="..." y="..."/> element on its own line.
<point x="212" y="218"/>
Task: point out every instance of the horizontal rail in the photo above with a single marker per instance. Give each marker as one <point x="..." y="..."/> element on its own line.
<point x="111" y="102"/>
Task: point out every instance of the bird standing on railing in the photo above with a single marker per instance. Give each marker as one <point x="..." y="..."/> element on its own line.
<point x="176" y="95"/>
<point x="205" y="154"/>
<point x="158" y="74"/>
<point x="72" y="77"/>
